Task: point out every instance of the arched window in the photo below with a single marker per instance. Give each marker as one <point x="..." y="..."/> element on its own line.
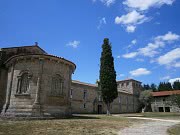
<point x="23" y="83"/>
<point x="57" y="85"/>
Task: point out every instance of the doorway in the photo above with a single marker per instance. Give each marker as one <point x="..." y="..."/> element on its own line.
<point x="167" y="109"/>
<point x="161" y="109"/>
<point x="99" y="109"/>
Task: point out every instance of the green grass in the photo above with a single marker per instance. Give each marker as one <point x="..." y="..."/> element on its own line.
<point x="86" y="125"/>
<point x="164" y="115"/>
<point x="175" y="130"/>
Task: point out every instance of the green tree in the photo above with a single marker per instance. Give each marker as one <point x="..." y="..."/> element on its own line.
<point x="176" y="85"/>
<point x="165" y="86"/>
<point x="153" y="87"/>
<point x="146" y="87"/>
<point x="168" y="86"/>
<point x="161" y="86"/>
<point x="108" y="85"/>
<point x="145" y="99"/>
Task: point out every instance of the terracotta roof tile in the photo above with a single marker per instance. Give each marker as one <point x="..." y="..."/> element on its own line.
<point x="165" y="93"/>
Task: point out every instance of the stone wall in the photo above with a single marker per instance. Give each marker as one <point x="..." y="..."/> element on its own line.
<point x="124" y="103"/>
<point x="81" y="103"/>
<point x="163" y="102"/>
<point x="40" y="99"/>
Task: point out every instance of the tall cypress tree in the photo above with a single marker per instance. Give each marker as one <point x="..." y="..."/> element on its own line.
<point x="107" y="77"/>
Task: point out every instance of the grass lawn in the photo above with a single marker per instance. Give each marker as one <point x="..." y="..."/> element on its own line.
<point x="79" y="125"/>
<point x="164" y="115"/>
<point x="175" y="130"/>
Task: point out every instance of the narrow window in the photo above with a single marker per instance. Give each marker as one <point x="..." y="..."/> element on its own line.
<point x="57" y="85"/>
<point x="119" y="100"/>
<point x="84" y="94"/>
<point x="70" y="93"/>
<point x="84" y="105"/>
<point x="100" y="99"/>
<point x="23" y="84"/>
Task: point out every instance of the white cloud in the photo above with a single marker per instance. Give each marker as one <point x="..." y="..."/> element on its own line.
<point x="137" y="15"/>
<point x="118" y="56"/>
<point x="168" y="37"/>
<point x="173" y="80"/>
<point x="121" y="75"/>
<point x="73" y="44"/>
<point x="165" y="77"/>
<point x="134" y="41"/>
<point x="106" y="2"/>
<point x="130" y="28"/>
<point x="172" y="58"/>
<point x="146" y="4"/>
<point x="130" y="55"/>
<point x="139" y="60"/>
<point x="177" y="64"/>
<point x="102" y="21"/>
<point x="131" y="19"/>
<point x="152" y="49"/>
<point x="139" y="72"/>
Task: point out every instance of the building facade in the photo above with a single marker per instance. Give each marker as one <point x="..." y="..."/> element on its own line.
<point x="36" y="84"/>
<point x="86" y="98"/>
<point x="162" y="101"/>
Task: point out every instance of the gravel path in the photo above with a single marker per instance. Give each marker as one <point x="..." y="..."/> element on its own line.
<point x="150" y="127"/>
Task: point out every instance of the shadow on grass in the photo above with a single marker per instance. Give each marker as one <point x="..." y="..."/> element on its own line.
<point x="83" y="117"/>
<point x="47" y="118"/>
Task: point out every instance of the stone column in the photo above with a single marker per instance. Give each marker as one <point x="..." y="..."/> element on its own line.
<point x="36" y="111"/>
<point x="8" y="94"/>
<point x="37" y="99"/>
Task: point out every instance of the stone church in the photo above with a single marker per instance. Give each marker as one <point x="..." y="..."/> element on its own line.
<point x="36" y="84"/>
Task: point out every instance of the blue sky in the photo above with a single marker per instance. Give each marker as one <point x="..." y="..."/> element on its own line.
<point x="145" y="34"/>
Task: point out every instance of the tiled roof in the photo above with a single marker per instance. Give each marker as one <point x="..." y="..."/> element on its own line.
<point x="128" y="80"/>
<point x="83" y="83"/>
<point x="29" y="46"/>
<point x="165" y="93"/>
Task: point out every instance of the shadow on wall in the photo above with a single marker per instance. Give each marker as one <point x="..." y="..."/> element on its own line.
<point x="3" y="80"/>
<point x="2" y="101"/>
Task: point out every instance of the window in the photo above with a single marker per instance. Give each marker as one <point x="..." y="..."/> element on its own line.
<point x="70" y="93"/>
<point x="122" y="84"/>
<point x="23" y="83"/>
<point x="127" y="83"/>
<point x="100" y="98"/>
<point x="119" y="100"/>
<point x="84" y="105"/>
<point x="84" y="94"/>
<point x="57" y="86"/>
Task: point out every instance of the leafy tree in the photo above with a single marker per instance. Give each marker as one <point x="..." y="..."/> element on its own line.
<point x="165" y="86"/>
<point x="146" y="87"/>
<point x="176" y="85"/>
<point x="175" y="99"/>
<point x="107" y="83"/>
<point x="145" y="99"/>
<point x="168" y="86"/>
<point x="161" y="86"/>
<point x="153" y="87"/>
